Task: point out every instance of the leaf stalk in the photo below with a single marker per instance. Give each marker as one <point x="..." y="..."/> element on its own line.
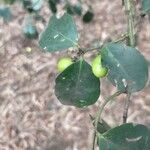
<point x="98" y="116"/>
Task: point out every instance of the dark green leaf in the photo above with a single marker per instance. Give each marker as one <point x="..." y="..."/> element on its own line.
<point x="146" y="6"/>
<point x="52" y="5"/>
<point x="77" y="85"/>
<point x="88" y="16"/>
<point x="77" y="9"/>
<point x="126" y="137"/>
<point x="128" y="69"/>
<point x="27" y="5"/>
<point x="29" y="29"/>
<point x="5" y="13"/>
<point x="60" y="34"/>
<point x="69" y="9"/>
<point x="74" y="9"/>
<point x="32" y="5"/>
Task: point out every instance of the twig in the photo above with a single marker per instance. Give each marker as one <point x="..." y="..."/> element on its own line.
<point x="94" y="144"/>
<point x="122" y="2"/>
<point x="122" y="38"/>
<point x="126" y="107"/>
<point x="130" y="11"/>
<point x="98" y="116"/>
<point x="93" y="48"/>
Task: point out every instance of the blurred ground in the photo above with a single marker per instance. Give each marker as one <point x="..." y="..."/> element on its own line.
<point x="31" y="118"/>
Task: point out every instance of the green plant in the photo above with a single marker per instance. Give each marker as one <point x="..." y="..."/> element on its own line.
<point x="29" y="29"/>
<point x="5" y="13"/>
<point x="78" y="86"/>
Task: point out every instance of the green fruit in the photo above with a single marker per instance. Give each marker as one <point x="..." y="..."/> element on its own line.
<point x="97" y="60"/>
<point x="63" y="63"/>
<point x="99" y="71"/>
<point x="97" y="68"/>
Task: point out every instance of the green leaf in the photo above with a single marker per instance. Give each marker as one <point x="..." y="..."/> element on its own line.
<point x="78" y="9"/>
<point x="60" y="34"/>
<point x="146" y="6"/>
<point x="27" y="5"/>
<point x="52" y="5"/>
<point x="88" y="16"/>
<point x="30" y="31"/>
<point x="37" y="4"/>
<point x="77" y="85"/>
<point x="126" y="137"/>
<point x="128" y="69"/>
<point x="74" y="9"/>
<point x="32" y="5"/>
<point x="69" y="9"/>
<point x="5" y="13"/>
<point x="29" y="28"/>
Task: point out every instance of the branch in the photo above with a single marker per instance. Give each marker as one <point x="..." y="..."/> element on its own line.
<point x="121" y="38"/>
<point x="130" y="12"/>
<point x="98" y="116"/>
<point x="126" y="107"/>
